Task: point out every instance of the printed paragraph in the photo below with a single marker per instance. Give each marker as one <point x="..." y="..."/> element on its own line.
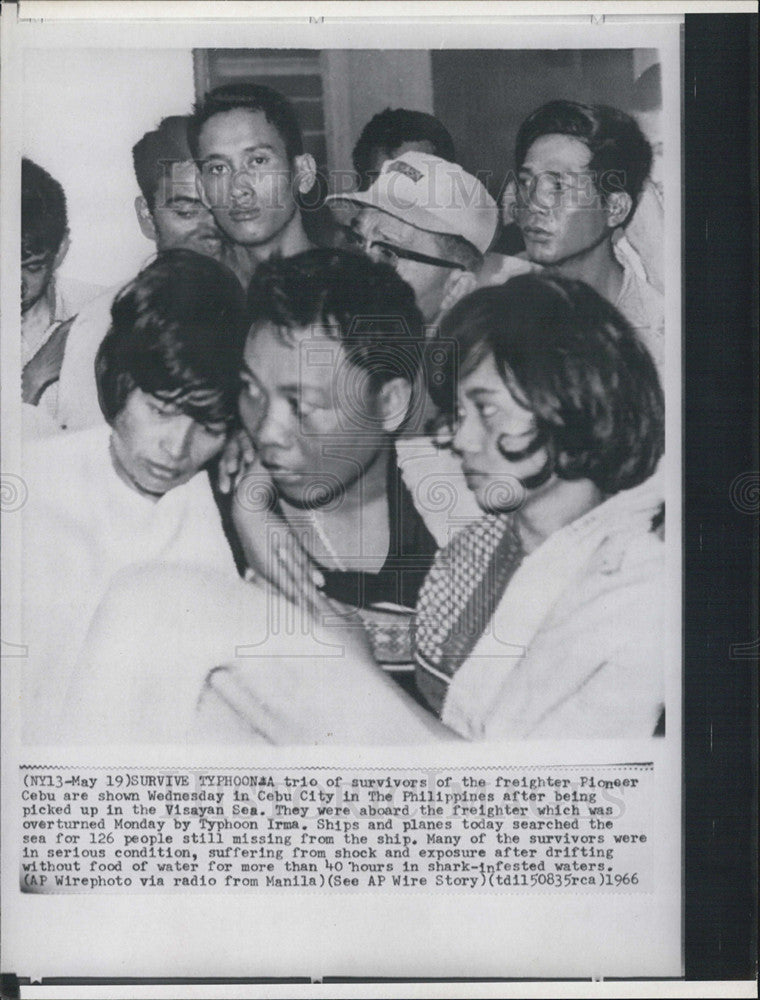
<point x="523" y="829"/>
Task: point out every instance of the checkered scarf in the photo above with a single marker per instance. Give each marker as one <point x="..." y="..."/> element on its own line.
<point x="457" y="601"/>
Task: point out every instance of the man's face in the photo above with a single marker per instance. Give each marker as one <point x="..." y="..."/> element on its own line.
<point x="315" y="422"/>
<point x="428" y="280"/>
<point x="246" y="176"/>
<point x="559" y="209"/>
<point x="180" y="218"/>
<point x="155" y="447"/>
<point x="36" y="274"/>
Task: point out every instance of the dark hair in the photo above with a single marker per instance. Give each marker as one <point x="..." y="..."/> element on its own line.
<point x="378" y="320"/>
<point x="390" y="129"/>
<point x="155" y="153"/>
<point x="571" y="358"/>
<point x="177" y="332"/>
<point x="277" y="110"/>
<point x="621" y="157"/>
<point x="43" y="211"/>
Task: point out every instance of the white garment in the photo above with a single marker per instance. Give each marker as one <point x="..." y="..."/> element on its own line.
<point x="646" y="233"/>
<point x="82" y="525"/>
<point x="575" y="648"/>
<point x="641" y="304"/>
<point x="64" y="298"/>
<point x="78" y="405"/>
<point x="498" y="268"/>
<point x="438" y="487"/>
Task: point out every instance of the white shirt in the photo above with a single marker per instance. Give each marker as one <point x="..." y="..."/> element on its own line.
<point x="82" y="525"/>
<point x="576" y="647"/>
<point x="64" y="298"/>
<point x="78" y="405"/>
<point x="641" y="303"/>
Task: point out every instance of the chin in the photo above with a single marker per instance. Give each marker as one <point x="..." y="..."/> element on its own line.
<point x="500" y="496"/>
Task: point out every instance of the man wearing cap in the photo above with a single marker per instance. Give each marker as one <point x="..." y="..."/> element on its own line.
<point x="431" y="220"/>
<point x="171" y="214"/>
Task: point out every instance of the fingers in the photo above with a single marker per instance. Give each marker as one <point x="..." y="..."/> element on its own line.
<point x="228" y="464"/>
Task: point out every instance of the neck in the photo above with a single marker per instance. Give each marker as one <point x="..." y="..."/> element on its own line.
<point x="598" y="267"/>
<point x="292" y="239"/>
<point x="355" y="533"/>
<point x="553" y="506"/>
<point x="43" y="311"/>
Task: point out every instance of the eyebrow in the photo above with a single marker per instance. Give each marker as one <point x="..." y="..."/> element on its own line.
<point x="478" y="393"/>
<point x="248" y="149"/>
<point x="292" y="387"/>
<point x="181" y="198"/>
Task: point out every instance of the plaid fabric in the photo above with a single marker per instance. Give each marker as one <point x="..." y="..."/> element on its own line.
<point x="457" y="601"/>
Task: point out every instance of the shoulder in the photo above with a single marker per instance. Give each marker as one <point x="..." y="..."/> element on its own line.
<point x="52" y="456"/>
<point x="74" y="295"/>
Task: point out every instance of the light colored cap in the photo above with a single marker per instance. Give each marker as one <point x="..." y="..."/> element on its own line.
<point x="431" y="194"/>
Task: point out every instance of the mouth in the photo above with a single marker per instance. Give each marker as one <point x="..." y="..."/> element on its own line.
<point x="537" y="235"/>
<point x="244" y="214"/>
<point x="164" y="472"/>
<point x="275" y="469"/>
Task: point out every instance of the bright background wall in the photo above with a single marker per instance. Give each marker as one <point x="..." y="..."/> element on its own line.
<point x="83" y="112"/>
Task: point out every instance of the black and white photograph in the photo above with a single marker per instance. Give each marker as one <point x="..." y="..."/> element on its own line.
<point x="342" y="485"/>
<point x="417" y="424"/>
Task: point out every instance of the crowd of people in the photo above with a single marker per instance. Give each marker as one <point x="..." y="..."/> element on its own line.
<point x="374" y="481"/>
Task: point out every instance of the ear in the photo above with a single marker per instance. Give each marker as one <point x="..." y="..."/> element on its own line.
<point x="145" y="219"/>
<point x="618" y="208"/>
<point x="305" y="172"/>
<point x="458" y="284"/>
<point x="395" y="400"/>
<point x="63" y="249"/>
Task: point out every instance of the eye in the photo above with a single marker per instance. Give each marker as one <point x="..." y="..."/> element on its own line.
<point x="215" y="430"/>
<point x="188" y="211"/>
<point x="352" y="237"/>
<point x="385" y="254"/>
<point x="250" y="388"/>
<point x="215" y="169"/>
<point x="258" y="160"/>
<point x="487" y="410"/>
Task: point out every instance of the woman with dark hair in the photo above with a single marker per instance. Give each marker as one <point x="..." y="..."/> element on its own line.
<point x="543" y="618"/>
<point x="132" y="491"/>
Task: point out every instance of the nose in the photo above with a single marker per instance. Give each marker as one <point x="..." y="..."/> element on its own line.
<point x="241" y="188"/>
<point x="176" y="437"/>
<point x="465" y="440"/>
<point x="276" y="426"/>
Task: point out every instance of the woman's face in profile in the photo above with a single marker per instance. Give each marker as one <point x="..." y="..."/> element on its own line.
<point x="493" y="438"/>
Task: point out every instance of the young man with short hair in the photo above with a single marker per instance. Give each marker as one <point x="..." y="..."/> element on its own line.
<point x="248" y="145"/>
<point x="47" y="300"/>
<point x="393" y="132"/>
<point x="132" y="491"/>
<point x="328" y="374"/>
<point x="581" y="169"/>
<point x="171" y="214"/>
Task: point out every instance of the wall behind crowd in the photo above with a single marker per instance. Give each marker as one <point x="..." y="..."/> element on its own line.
<point x="83" y="112"/>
